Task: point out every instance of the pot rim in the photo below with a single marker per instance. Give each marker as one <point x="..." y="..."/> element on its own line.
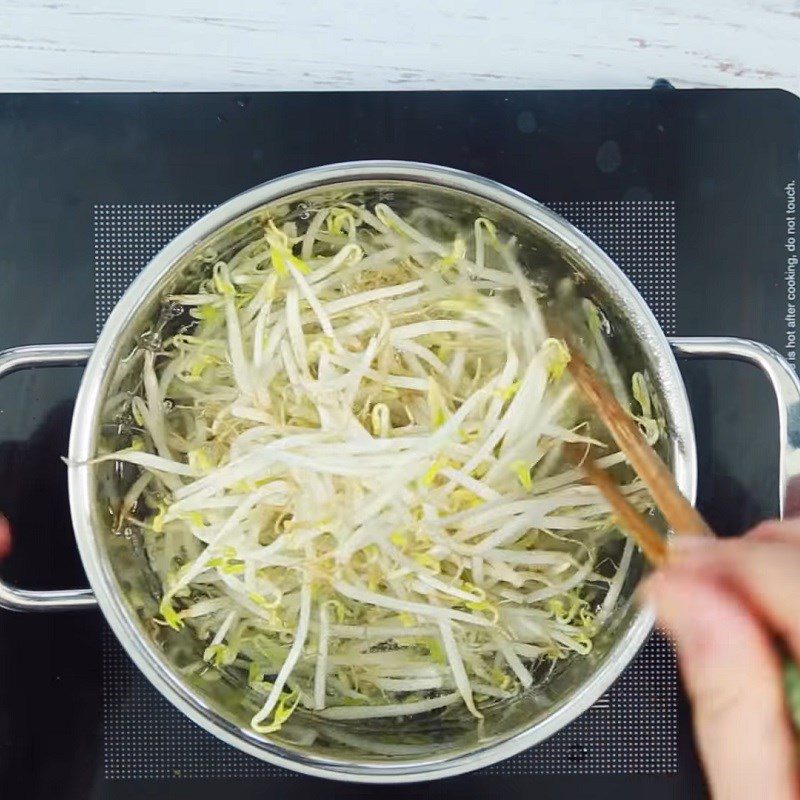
<point x="96" y="562"/>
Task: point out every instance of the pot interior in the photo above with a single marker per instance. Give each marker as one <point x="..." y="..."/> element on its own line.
<point x="564" y="267"/>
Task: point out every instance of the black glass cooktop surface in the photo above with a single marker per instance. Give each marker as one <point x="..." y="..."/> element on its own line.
<point x="687" y="189"/>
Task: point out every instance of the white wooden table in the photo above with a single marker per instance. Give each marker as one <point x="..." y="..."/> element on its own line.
<point x="127" y="45"/>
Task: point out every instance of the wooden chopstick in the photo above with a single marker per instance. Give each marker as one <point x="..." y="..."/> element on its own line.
<point x="652" y="544"/>
<point x="681" y="516"/>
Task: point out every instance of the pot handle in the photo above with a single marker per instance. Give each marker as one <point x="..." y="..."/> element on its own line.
<point x="786" y="386"/>
<point x="13" y="360"/>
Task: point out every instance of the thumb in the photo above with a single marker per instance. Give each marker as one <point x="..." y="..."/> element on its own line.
<point x="732" y="676"/>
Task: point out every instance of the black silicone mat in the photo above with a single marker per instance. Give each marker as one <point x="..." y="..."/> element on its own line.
<point x="145" y="737"/>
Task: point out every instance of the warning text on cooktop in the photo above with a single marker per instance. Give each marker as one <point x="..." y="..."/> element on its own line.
<point x="791" y="269"/>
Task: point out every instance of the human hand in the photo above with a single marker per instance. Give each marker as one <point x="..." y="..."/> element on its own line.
<point x="726" y="604"/>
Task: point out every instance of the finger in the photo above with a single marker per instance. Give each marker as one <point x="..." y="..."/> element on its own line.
<point x="732" y="677"/>
<point x="786" y="531"/>
<point x="765" y="573"/>
<point x="5" y="537"/>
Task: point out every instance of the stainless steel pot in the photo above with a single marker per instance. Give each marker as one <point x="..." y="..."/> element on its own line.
<point x="117" y="570"/>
